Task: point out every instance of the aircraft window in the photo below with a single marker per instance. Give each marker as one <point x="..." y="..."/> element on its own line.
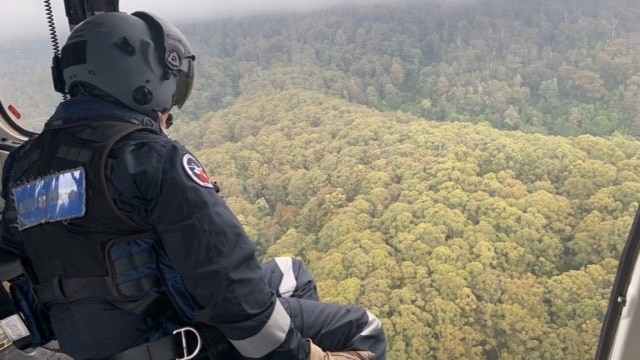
<point x="25" y="55"/>
<point x="25" y="83"/>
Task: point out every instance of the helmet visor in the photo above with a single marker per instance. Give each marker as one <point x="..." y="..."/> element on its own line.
<point x="184" y="84"/>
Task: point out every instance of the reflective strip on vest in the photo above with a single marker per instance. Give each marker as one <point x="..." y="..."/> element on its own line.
<point x="269" y="338"/>
<point x="288" y="283"/>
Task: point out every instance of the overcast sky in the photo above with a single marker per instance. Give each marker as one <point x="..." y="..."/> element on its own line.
<point x="21" y="19"/>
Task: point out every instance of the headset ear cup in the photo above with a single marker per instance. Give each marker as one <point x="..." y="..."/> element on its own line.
<point x="57" y="76"/>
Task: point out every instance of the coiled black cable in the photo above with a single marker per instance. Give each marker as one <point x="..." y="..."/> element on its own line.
<point x="53" y="35"/>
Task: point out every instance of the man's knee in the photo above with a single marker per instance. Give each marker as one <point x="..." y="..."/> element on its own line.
<point x="372" y="337"/>
<point x="290" y="278"/>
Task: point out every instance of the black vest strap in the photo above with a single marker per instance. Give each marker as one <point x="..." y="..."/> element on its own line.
<point x="69" y="290"/>
<point x="167" y="348"/>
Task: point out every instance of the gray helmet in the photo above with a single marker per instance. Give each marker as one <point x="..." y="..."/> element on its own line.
<point x="139" y="59"/>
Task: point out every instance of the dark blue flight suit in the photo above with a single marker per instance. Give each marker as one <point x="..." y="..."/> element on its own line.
<point x="205" y="261"/>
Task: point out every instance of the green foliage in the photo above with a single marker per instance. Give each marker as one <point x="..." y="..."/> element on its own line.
<point x="553" y="67"/>
<point x="362" y="139"/>
<point x="469" y="242"/>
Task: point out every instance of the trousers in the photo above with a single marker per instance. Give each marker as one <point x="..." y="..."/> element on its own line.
<point x="332" y="327"/>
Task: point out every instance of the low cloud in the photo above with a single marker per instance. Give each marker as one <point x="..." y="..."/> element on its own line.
<point x="199" y="10"/>
<point x="27" y="19"/>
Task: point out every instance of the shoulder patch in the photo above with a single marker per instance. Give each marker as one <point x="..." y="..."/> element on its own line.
<point x="196" y="171"/>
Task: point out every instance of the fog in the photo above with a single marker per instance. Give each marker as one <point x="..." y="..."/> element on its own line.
<point x="26" y="19"/>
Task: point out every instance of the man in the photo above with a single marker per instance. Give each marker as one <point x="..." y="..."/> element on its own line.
<point x="123" y="234"/>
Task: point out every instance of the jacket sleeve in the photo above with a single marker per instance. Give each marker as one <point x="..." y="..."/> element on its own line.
<point x="9" y="237"/>
<point x="209" y="248"/>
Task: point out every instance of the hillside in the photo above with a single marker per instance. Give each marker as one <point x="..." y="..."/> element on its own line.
<point x="552" y="67"/>
<point x="467" y="170"/>
<point x="470" y="243"/>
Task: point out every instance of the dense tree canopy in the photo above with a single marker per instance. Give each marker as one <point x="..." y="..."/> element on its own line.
<point x="469" y="242"/>
<point x="466" y="170"/>
<point x="556" y="67"/>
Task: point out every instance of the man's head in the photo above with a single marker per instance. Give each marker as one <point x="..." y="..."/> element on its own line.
<point x="138" y="60"/>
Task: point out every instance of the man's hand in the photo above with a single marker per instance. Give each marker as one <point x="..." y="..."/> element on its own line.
<point x="315" y="353"/>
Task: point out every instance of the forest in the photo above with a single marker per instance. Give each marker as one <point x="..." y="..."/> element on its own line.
<point x="468" y="171"/>
<point x="468" y="242"/>
<point x="553" y="67"/>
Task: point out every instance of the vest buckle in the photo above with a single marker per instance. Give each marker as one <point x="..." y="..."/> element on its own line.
<point x="185" y="348"/>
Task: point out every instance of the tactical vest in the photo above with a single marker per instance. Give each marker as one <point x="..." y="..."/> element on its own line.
<point x="66" y="215"/>
<point x="92" y="251"/>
